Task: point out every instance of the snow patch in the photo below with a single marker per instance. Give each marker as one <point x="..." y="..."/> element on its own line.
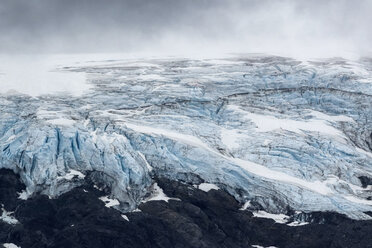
<point x="246" y="205"/>
<point x="125" y="217"/>
<point x="7" y="217"/>
<point x="267" y="123"/>
<point x="230" y="138"/>
<point x="206" y="187"/>
<point x="369" y="154"/>
<point x="297" y="223"/>
<point x="331" y="118"/>
<point x="278" y="218"/>
<point x="10" y="245"/>
<point x="62" y="122"/>
<point x="23" y="195"/>
<point x="260" y="170"/>
<point x="259" y="246"/>
<point x="109" y="202"/>
<point x="96" y="187"/>
<point x="157" y="194"/>
<point x="358" y="200"/>
<point x="11" y="138"/>
<point x="187" y="139"/>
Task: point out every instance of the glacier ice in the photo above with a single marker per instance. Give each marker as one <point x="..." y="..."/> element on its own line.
<point x="270" y="130"/>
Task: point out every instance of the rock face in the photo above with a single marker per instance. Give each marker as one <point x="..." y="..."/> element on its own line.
<point x="194" y="218"/>
<point x="278" y="133"/>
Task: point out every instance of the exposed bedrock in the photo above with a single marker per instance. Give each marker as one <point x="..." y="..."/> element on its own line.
<point x="185" y="216"/>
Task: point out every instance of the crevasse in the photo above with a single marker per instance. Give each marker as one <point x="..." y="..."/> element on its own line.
<point x="270" y="130"/>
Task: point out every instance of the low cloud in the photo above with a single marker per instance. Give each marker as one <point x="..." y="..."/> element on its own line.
<point x="294" y="28"/>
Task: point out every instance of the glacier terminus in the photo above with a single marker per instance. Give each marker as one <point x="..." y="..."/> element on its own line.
<point x="274" y="132"/>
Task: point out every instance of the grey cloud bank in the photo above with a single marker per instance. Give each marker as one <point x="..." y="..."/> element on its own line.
<point x="295" y="28"/>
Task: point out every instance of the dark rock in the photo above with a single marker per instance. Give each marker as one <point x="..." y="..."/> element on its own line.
<point x="200" y="219"/>
<point x="365" y="181"/>
<point x="10" y="186"/>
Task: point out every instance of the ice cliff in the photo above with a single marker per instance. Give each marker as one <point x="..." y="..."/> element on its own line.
<point x="275" y="132"/>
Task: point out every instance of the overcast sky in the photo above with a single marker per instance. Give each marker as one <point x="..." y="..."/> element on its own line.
<point x="311" y="27"/>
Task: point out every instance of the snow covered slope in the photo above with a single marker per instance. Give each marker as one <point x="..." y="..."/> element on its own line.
<point x="274" y="131"/>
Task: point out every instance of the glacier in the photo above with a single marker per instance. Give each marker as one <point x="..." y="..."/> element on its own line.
<point x="276" y="132"/>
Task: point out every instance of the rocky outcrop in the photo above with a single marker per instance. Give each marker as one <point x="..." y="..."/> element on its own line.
<point x="192" y="218"/>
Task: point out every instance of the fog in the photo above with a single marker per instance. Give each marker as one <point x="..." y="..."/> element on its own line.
<point x="291" y="28"/>
<point x="38" y="36"/>
<point x="38" y="75"/>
